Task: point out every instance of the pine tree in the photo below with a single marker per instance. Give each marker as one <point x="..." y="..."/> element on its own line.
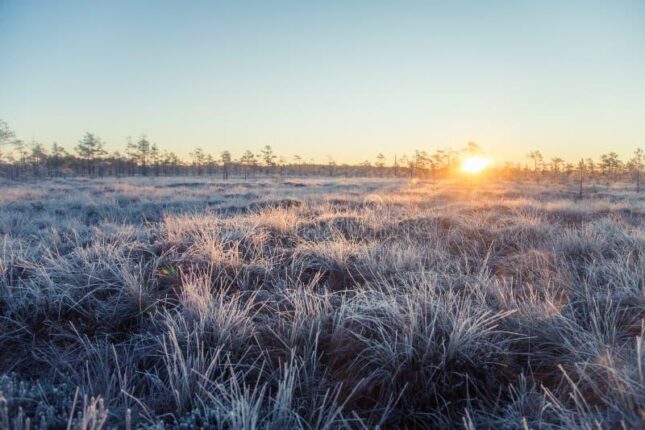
<point x="537" y="158"/>
<point x="637" y="166"/>
<point x="226" y="159"/>
<point x="90" y="149"/>
<point x="380" y="163"/>
<point x="268" y="157"/>
<point x="248" y="162"/>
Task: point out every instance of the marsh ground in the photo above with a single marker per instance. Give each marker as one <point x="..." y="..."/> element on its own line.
<point x="320" y="303"/>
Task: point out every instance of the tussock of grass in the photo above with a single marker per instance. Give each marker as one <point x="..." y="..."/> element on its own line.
<point x="319" y="304"/>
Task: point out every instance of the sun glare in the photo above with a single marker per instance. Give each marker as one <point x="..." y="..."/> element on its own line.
<point x="475" y="164"/>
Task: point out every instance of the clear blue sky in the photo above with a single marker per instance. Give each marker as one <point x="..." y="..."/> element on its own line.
<point x="342" y="78"/>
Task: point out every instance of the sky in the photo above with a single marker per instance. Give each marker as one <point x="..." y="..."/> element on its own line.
<point x="342" y="79"/>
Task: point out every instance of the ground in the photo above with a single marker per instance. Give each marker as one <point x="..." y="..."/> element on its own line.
<point x="320" y="303"/>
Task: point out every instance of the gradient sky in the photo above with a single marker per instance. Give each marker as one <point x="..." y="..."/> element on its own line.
<point x="346" y="79"/>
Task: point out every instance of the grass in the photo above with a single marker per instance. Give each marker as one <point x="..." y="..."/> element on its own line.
<point x="320" y="304"/>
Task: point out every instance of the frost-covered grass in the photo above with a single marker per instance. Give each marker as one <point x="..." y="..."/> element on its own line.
<point x="320" y="304"/>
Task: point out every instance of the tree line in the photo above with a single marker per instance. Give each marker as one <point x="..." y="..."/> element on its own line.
<point x="142" y="157"/>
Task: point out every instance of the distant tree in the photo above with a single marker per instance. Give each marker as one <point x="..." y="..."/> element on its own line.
<point x="297" y="160"/>
<point x="90" y="149"/>
<point x="331" y="164"/>
<point x="117" y="163"/>
<point x="537" y="158"/>
<point x="421" y="163"/>
<point x="438" y="162"/>
<point x="139" y="153"/>
<point x="590" y="167"/>
<point x="581" y="175"/>
<point x="155" y="158"/>
<point x="268" y="157"/>
<point x="248" y="162"/>
<point x="605" y="164"/>
<point x="282" y="162"/>
<point x="637" y="166"/>
<point x="226" y="159"/>
<point x="57" y="154"/>
<point x="556" y="162"/>
<point x="199" y="158"/>
<point x="452" y="159"/>
<point x="380" y="163"/>
<point x="171" y="163"/>
<point x="209" y="163"/>
<point x="610" y="165"/>
<point x="21" y="149"/>
<point x="37" y="157"/>
<point x="472" y="148"/>
<point x="405" y="162"/>
<point x="132" y="155"/>
<point x="618" y="165"/>
<point x="6" y="134"/>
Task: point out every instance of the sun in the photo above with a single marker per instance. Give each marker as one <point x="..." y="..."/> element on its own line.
<point x="475" y="164"/>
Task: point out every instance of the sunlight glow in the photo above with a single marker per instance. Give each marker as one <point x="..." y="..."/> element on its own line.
<point x="475" y="164"/>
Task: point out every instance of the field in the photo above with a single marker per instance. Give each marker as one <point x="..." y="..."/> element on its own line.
<point x="320" y="304"/>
